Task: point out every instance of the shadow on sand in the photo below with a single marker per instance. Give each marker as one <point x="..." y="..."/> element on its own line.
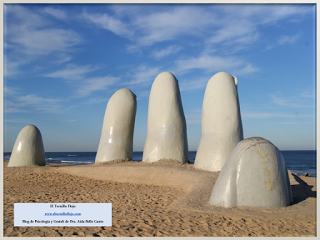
<point x="301" y="191"/>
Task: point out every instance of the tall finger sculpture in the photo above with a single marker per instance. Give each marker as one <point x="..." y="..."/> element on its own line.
<point x="116" y="142"/>
<point x="221" y="122"/>
<point x="167" y="130"/>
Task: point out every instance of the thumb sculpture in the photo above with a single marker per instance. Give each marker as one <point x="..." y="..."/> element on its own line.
<point x="167" y="130"/>
<point x="28" y="149"/>
<point x="116" y="142"/>
<point x="255" y="175"/>
<point x="221" y="123"/>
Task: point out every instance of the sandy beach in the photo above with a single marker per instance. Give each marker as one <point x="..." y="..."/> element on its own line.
<point x="163" y="199"/>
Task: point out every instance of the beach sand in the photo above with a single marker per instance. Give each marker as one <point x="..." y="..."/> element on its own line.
<point x="163" y="199"/>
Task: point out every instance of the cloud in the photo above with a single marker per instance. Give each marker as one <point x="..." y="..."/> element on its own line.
<point x="233" y="36"/>
<point x="171" y="23"/>
<point x="110" y="23"/>
<point x="286" y="123"/>
<point x="240" y="26"/>
<point x="9" y="91"/>
<point x="16" y="102"/>
<point x="72" y="72"/>
<point x="194" y="116"/>
<point x="193" y="119"/>
<point x="284" y="39"/>
<point x="69" y="120"/>
<point x="141" y="94"/>
<point x="11" y="68"/>
<point x="279" y="101"/>
<point x="158" y="25"/>
<point x="217" y="28"/>
<point x="264" y="115"/>
<point x="16" y="14"/>
<point x="57" y="13"/>
<point x="293" y="123"/>
<point x="62" y="58"/>
<point x="32" y="99"/>
<point x="235" y="31"/>
<point x="44" y="41"/>
<point x="308" y="122"/>
<point x="143" y="75"/>
<point x="14" y="120"/>
<point x="31" y="34"/>
<point x="268" y="14"/>
<point x="96" y="100"/>
<point x="11" y="107"/>
<point x="310" y="93"/>
<point x="193" y="84"/>
<point x="248" y="68"/>
<point x="166" y="51"/>
<point x="213" y="64"/>
<point x="287" y="103"/>
<point x="275" y="13"/>
<point x="82" y="84"/>
<point x="94" y="84"/>
<point x="209" y="63"/>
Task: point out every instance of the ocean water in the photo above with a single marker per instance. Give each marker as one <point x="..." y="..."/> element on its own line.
<point x="299" y="162"/>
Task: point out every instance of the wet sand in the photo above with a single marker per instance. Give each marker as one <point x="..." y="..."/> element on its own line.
<point x="163" y="199"/>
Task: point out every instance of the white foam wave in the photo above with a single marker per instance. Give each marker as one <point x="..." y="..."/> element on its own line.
<point x="79" y="162"/>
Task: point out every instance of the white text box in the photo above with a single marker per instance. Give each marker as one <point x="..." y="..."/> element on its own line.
<point x="62" y="214"/>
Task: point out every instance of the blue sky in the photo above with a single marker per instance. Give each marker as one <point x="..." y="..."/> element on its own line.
<point x="63" y="62"/>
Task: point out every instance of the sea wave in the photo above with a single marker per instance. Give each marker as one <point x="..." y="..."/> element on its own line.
<point x="75" y="162"/>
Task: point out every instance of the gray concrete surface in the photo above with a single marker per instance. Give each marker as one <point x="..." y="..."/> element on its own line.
<point x="116" y="141"/>
<point x="28" y="149"/>
<point x="167" y="129"/>
<point x="255" y="175"/>
<point x="221" y="122"/>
